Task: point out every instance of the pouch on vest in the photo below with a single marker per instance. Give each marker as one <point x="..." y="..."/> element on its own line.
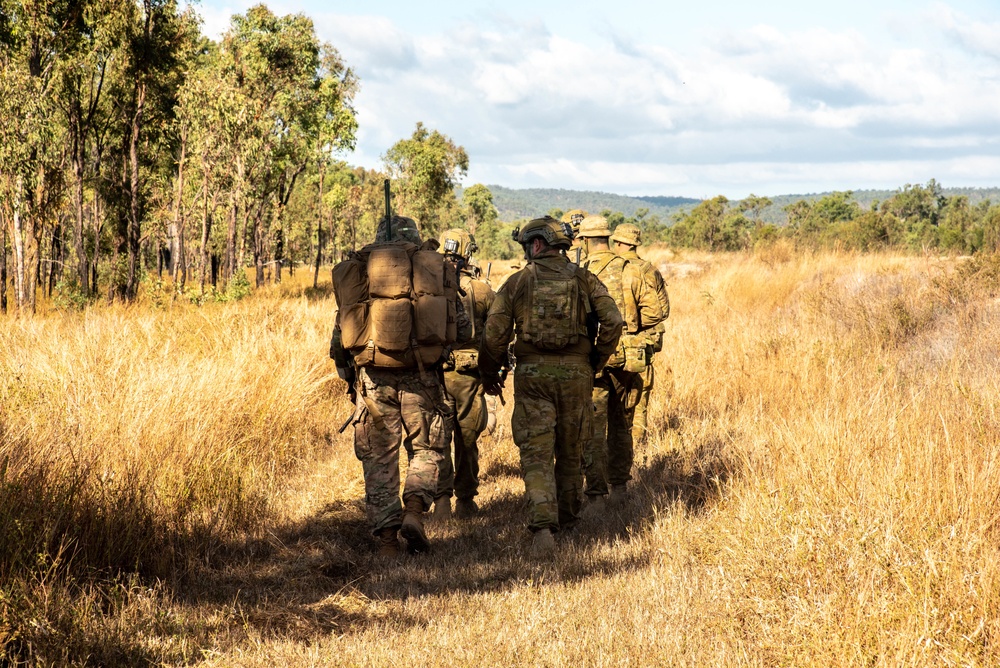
<point x="350" y="283"/>
<point x="389" y="272"/>
<point x="634" y="348"/>
<point x="428" y="273"/>
<point x="552" y="321"/>
<point x="355" y="329"/>
<point x="431" y="318"/>
<point x="391" y="321"/>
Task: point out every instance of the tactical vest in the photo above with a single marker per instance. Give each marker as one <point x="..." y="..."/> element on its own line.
<point x="396" y="305"/>
<point x="553" y="320"/>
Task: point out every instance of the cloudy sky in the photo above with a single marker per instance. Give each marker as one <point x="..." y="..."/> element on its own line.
<point x="689" y="98"/>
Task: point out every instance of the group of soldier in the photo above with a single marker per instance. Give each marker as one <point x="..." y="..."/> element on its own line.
<point x="579" y="323"/>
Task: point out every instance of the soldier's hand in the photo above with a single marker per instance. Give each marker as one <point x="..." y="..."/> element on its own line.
<point x="493" y="384"/>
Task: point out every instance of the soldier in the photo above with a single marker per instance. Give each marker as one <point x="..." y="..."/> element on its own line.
<point x="574" y="217"/>
<point x="462" y="382"/>
<point x="627" y="237"/>
<point x="567" y="326"/>
<point x="608" y="455"/>
<point x="397" y="313"/>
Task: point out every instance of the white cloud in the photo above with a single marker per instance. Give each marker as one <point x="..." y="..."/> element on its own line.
<point x="758" y="109"/>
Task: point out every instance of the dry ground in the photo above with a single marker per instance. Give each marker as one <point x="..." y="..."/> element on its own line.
<point x="820" y="488"/>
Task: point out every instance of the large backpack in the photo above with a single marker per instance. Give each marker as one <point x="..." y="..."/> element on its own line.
<point x="396" y="305"/>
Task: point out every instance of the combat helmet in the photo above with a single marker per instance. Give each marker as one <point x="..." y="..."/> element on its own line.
<point x="459" y="242"/>
<point x="547" y="228"/>
<point x="574" y="217"/>
<point x="594" y="226"/>
<point x="627" y="233"/>
<point x="403" y="229"/>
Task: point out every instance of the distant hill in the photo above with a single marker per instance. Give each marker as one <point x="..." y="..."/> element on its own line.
<point x="518" y="204"/>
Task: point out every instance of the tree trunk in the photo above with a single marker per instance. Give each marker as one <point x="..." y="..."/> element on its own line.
<point x="206" y="231"/>
<point x="3" y="264"/>
<point x="258" y="244"/>
<point x="179" y="260"/>
<point x="319" y="228"/>
<point x="230" y="269"/>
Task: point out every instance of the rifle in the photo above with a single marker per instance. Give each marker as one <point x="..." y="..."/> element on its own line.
<point x="388" y="211"/>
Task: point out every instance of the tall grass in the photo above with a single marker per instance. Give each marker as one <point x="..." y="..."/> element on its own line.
<point x="820" y="487"/>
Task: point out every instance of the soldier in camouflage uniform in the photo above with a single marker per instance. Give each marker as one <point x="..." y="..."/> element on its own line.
<point x="566" y="327"/>
<point x="462" y="382"/>
<point x="393" y="406"/>
<point x="626" y="238"/>
<point x="608" y="455"/>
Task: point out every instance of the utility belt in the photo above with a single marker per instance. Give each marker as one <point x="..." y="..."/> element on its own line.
<point x="568" y="360"/>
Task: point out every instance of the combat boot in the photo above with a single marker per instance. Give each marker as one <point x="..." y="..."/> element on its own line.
<point x="442" y="510"/>
<point x="595" y="507"/>
<point x="413" y="526"/>
<point x="466" y="509"/>
<point x="619" y="493"/>
<point x="388" y="543"/>
<point x="543" y="545"/>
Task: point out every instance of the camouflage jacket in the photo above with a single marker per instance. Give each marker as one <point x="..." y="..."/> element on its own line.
<point x="508" y="314"/>
<point x="636" y="298"/>
<point x="652" y="279"/>
<point x="476" y="303"/>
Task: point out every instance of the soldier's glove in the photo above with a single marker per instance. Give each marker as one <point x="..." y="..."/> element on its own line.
<point x="493" y="384"/>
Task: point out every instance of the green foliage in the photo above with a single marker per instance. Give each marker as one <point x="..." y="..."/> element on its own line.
<point x="68" y="295"/>
<point x="238" y="288"/>
<point x="427" y="168"/>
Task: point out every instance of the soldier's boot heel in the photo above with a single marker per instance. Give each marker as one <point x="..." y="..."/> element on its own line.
<point x="442" y="510"/>
<point x="466" y="509"/>
<point x="543" y="545"/>
<point x="413" y="526"/>
<point x="388" y="543"/>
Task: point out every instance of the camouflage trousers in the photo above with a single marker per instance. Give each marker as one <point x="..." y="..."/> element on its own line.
<point x="461" y="477"/>
<point x="639" y="415"/>
<point x="639" y="421"/>
<point x="399" y="406"/>
<point x="608" y="454"/>
<point x="551" y="419"/>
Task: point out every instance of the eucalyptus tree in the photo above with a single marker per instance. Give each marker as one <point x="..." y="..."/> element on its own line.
<point x="427" y="167"/>
<point x="36" y="35"/>
<point x="292" y="96"/>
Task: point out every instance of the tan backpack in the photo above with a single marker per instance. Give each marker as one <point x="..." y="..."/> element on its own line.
<point x="396" y="305"/>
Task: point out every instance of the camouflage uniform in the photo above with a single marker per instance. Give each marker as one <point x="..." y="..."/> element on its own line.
<point x="608" y="455"/>
<point x="463" y="384"/>
<point x="629" y="234"/>
<point x="398" y="405"/>
<point x="552" y="387"/>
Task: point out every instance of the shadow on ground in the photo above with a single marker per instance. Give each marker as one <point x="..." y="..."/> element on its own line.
<point x="320" y="576"/>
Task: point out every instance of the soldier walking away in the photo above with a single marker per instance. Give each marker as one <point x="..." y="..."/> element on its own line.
<point x="463" y="384"/>
<point x="566" y="326"/>
<point x="398" y="313"/>
<point x="609" y="453"/>
<point x="626" y="238"/>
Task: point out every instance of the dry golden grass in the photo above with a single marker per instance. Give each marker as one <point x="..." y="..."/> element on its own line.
<point x="820" y="488"/>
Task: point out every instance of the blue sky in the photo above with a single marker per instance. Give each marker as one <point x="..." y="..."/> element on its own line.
<point x="692" y="99"/>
